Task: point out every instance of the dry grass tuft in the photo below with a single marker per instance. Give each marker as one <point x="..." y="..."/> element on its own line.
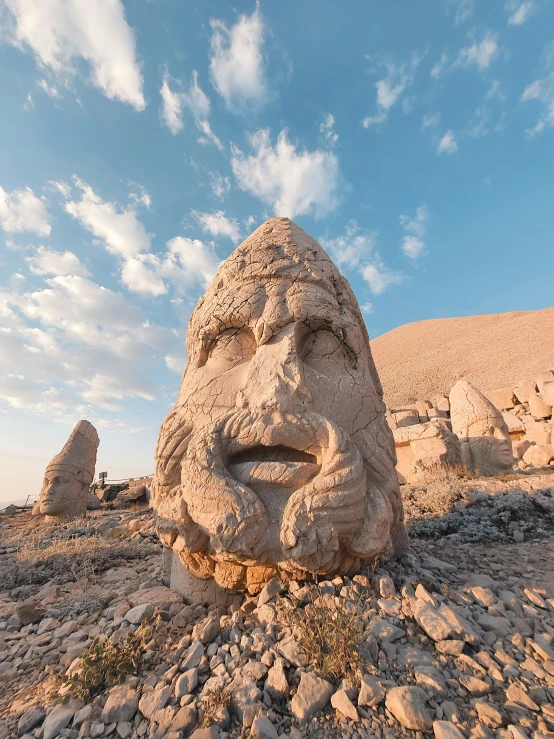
<point x="212" y="705"/>
<point x="104" y="664"/>
<point x="57" y="552"/>
<point x="330" y="632"/>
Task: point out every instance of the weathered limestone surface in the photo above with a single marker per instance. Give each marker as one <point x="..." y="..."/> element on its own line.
<point x="277" y="459"/>
<point x="485" y="442"/>
<point x="65" y="488"/>
<point x="424" y="449"/>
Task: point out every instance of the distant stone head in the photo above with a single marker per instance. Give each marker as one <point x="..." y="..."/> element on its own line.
<point x="67" y="478"/>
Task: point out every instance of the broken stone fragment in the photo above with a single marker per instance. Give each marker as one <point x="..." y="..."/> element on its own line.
<point x="343" y="705"/>
<point x="485" y="442"/>
<point x="408" y="706"/>
<point x="312" y="695"/>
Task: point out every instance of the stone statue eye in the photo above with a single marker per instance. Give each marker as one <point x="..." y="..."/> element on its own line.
<point x="232" y="347"/>
<point x="323" y="351"/>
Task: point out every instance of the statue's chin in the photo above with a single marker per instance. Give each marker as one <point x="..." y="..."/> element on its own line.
<point x="50" y="508"/>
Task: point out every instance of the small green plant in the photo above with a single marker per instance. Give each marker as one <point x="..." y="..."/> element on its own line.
<point x="330" y="634"/>
<point x="104" y="664"/>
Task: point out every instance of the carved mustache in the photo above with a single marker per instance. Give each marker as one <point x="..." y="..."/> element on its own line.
<point x="315" y="515"/>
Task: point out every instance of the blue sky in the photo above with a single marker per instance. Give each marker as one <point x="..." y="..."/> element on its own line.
<point x="140" y="141"/>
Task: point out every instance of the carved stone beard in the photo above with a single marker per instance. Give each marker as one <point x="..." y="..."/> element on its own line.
<point x="341" y="515"/>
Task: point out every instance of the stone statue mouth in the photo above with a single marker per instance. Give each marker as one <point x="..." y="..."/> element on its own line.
<point x="275" y="465"/>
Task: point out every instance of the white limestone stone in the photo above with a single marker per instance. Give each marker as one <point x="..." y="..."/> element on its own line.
<point x="276" y="459"/>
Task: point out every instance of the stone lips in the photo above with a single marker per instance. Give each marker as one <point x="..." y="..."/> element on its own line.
<point x="276" y="458"/>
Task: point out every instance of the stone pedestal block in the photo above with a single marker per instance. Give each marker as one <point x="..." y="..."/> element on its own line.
<point x="193" y="588"/>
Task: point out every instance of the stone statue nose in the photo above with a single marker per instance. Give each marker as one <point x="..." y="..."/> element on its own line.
<point x="276" y="376"/>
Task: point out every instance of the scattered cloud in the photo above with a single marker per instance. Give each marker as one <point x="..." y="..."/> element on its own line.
<point x="118" y="229"/>
<point x="463" y="10"/>
<point x="390" y="88"/>
<point x="479" y="124"/>
<point x="380" y="278"/>
<point x="352" y="249"/>
<point x="357" y="250"/>
<point x="220" y="185"/>
<point x="328" y="131"/>
<point x="292" y="181"/>
<point x="447" y="144"/>
<point x="495" y="93"/>
<point x="185" y="263"/>
<point x="21" y="211"/>
<point x="440" y="66"/>
<point x="541" y="90"/>
<point x="236" y="61"/>
<point x="415" y="228"/>
<point x="218" y="224"/>
<point x="60" y="33"/>
<point x="174" y="104"/>
<point x="430" y="120"/>
<point x="80" y="344"/>
<point x="520" y="11"/>
<point x="49" y="262"/>
<point x="481" y="53"/>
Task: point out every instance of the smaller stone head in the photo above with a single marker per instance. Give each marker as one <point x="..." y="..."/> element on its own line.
<point x="69" y="475"/>
<point x="485" y="442"/>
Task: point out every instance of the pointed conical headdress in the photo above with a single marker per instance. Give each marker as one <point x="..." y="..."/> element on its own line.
<point x="468" y="406"/>
<point x="78" y="455"/>
<point x="281" y="250"/>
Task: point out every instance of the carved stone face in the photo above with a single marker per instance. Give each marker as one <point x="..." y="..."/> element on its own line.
<point x="62" y="492"/>
<point x="485" y="442"/>
<point x="276" y="456"/>
<point x="67" y="478"/>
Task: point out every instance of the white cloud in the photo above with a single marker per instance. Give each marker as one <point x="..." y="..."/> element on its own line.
<point x="520" y="11"/>
<point x="390" y="89"/>
<point x="190" y="261"/>
<point x="21" y="210"/>
<point x="195" y="99"/>
<point x="356" y="250"/>
<point x="480" y="53"/>
<point x="352" y="249"/>
<point x="447" y="144"/>
<point x="479" y="124"/>
<point x="542" y="90"/>
<point x="380" y="278"/>
<point x="76" y="343"/>
<point x="328" y="131"/>
<point x="494" y="92"/>
<point x="440" y="66"/>
<point x="172" y="107"/>
<point x="218" y="224"/>
<point x="60" y="32"/>
<point x="236" y="61"/>
<point x="119" y="230"/>
<point x="463" y="10"/>
<point x="220" y="185"/>
<point x="49" y="262"/>
<point x="415" y="228"/>
<point x="292" y="182"/>
<point x="430" y="121"/>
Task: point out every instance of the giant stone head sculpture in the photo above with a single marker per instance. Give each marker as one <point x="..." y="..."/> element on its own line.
<point x="486" y="446"/>
<point x="276" y="458"/>
<point x="67" y="478"/>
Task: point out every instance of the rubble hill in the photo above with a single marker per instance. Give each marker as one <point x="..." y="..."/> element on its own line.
<point x="424" y="359"/>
